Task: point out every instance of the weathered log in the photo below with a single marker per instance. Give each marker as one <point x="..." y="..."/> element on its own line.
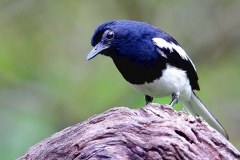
<point x="153" y="132"/>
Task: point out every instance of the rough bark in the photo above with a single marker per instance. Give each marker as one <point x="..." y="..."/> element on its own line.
<point x="153" y="132"/>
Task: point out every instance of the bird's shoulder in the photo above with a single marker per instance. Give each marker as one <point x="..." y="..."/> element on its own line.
<point x="169" y="49"/>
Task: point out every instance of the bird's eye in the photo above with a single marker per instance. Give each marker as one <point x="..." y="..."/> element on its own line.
<point x="110" y="35"/>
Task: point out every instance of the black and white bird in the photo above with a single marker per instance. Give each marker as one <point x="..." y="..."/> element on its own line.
<point x="153" y="63"/>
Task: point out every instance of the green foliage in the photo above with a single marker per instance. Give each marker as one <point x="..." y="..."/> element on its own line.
<point x="46" y="84"/>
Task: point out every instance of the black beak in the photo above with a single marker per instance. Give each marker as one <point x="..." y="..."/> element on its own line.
<point x="96" y="50"/>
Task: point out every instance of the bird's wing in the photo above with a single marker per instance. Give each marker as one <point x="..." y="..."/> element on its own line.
<point x="177" y="57"/>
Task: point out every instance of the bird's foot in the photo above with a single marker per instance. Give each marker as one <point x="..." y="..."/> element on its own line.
<point x="148" y="99"/>
<point x="175" y="97"/>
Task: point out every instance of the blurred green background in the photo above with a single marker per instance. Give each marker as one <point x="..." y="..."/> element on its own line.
<point x="46" y="84"/>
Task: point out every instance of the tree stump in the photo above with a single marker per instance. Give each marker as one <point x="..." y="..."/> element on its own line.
<point x="153" y="132"/>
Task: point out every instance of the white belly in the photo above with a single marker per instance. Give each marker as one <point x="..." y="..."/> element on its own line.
<point x="173" y="80"/>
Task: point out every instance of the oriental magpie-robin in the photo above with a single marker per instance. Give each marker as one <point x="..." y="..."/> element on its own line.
<point x="153" y="63"/>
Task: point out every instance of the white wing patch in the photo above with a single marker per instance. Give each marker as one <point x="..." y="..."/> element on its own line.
<point x="161" y="43"/>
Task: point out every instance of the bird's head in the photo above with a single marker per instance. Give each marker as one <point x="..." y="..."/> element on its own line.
<point x="120" y="37"/>
<point x="102" y="39"/>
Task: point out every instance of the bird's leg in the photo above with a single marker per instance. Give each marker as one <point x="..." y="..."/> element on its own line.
<point x="175" y="97"/>
<point x="148" y="99"/>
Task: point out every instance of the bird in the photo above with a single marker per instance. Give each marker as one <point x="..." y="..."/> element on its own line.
<point x="153" y="63"/>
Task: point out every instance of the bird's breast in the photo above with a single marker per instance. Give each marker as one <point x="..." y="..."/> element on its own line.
<point x="172" y="80"/>
<point x="139" y="72"/>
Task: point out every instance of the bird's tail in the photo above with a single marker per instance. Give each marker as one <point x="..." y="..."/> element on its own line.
<point x="196" y="108"/>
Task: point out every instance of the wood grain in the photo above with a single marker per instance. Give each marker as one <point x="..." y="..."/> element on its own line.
<point x="153" y="132"/>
